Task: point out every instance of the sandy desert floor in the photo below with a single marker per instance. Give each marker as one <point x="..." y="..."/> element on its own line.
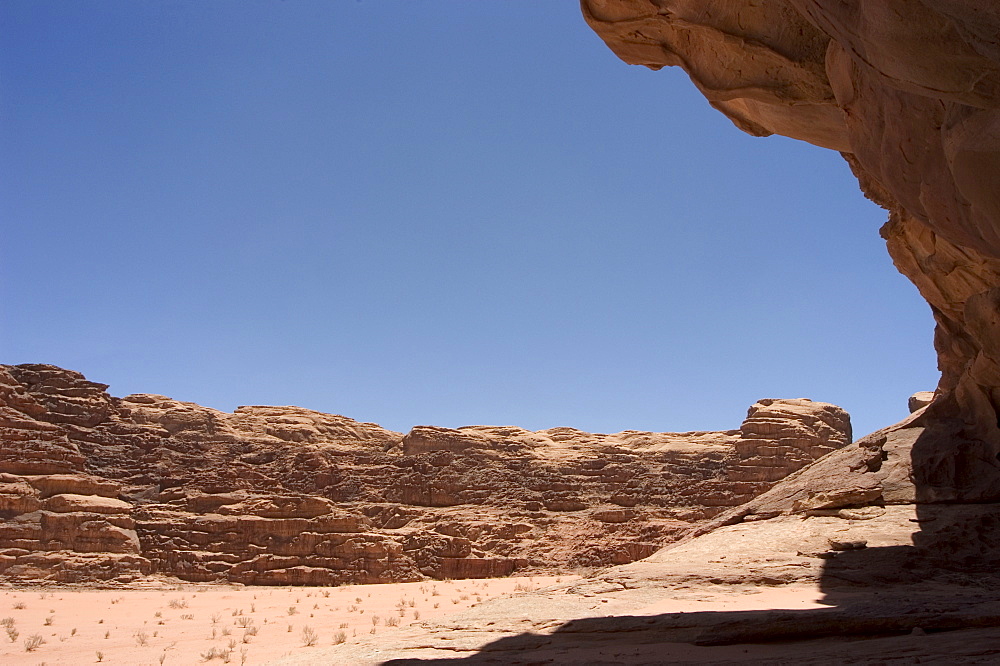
<point x="214" y="624"/>
<point x="523" y="629"/>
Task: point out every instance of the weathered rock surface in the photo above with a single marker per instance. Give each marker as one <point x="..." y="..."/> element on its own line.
<point x="837" y="563"/>
<point x="919" y="400"/>
<point x="93" y="486"/>
<point x="787" y="435"/>
<point x="909" y="92"/>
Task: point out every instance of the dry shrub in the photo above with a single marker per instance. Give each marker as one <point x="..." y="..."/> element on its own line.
<point x="33" y="642"/>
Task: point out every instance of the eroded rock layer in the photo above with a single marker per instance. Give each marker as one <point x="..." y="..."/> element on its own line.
<point x="862" y="572"/>
<point x="94" y="487"/>
<point x="909" y="92"/>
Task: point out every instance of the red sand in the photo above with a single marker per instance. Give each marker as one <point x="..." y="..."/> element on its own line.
<point x="243" y="625"/>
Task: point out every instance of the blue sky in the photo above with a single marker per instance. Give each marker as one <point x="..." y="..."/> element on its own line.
<point x="425" y="212"/>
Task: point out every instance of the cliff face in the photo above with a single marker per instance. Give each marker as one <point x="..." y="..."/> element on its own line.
<point x="909" y="92"/>
<point x="94" y="487"/>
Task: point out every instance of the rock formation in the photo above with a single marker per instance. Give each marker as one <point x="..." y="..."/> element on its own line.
<point x="94" y="487"/>
<point x="894" y="581"/>
<point x="909" y="92"/>
<point x="900" y="532"/>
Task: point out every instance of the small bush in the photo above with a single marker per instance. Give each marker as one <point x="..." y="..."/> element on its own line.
<point x="217" y="653"/>
<point x="309" y="636"/>
<point x="214" y="653"/>
<point x="33" y="642"/>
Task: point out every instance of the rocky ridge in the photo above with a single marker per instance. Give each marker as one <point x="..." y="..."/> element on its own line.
<point x="94" y="487"/>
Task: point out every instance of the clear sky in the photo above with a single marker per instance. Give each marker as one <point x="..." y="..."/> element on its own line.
<point x="442" y="213"/>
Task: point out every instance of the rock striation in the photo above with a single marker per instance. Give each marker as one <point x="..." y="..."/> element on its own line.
<point x="94" y="487"/>
<point x="909" y="92"/>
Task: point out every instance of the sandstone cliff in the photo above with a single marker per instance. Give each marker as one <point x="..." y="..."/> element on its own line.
<point x="94" y="487"/>
<point x="861" y="573"/>
<point x="909" y="92"/>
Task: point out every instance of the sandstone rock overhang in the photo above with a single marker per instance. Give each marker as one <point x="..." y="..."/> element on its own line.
<point x="909" y="92"/>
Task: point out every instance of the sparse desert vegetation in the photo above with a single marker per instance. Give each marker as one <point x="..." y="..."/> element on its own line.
<point x="193" y="624"/>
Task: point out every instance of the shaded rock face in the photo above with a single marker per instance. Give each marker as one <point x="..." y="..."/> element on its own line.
<point x="909" y="92"/>
<point x="94" y="487"/>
